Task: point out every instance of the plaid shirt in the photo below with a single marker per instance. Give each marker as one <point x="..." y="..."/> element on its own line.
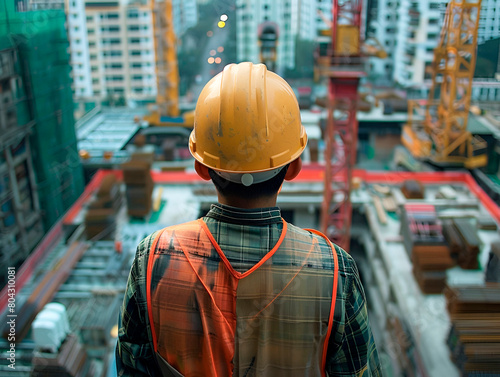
<point x="246" y="235"/>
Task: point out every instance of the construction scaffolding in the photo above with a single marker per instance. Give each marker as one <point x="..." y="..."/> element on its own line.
<point x="40" y="170"/>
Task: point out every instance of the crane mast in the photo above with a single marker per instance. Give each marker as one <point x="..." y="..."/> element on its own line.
<point x="440" y="133"/>
<point x="344" y="67"/>
<point x="167" y="73"/>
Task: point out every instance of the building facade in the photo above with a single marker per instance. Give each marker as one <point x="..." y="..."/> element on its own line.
<point x="112" y="47"/>
<point x="294" y="18"/>
<point x="410" y="31"/>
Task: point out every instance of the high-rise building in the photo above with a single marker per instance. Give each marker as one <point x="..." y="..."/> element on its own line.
<point x="296" y="19"/>
<point x="112" y="47"/>
<point x="185" y="14"/>
<point x="313" y="16"/>
<point x="40" y="170"/>
<point x="121" y="46"/>
<point x="410" y="30"/>
<point x="251" y="13"/>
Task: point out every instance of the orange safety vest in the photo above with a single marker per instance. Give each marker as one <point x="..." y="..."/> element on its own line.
<point x="209" y="320"/>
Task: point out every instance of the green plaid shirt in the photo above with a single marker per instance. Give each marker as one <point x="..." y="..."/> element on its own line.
<point x="246" y="235"/>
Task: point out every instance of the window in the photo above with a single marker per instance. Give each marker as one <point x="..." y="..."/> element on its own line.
<point x="114" y="78"/>
<point x="112" y="53"/>
<point x="133" y="14"/>
<point x="134" y="40"/>
<point x="93" y="56"/>
<point x="113" y="66"/>
<point x="137" y="77"/>
<point x="136" y="65"/>
<point x="110" y="29"/>
<point x="95" y="81"/>
<point x="90" y="31"/>
<point x="91" y="44"/>
<point x="112" y="41"/>
<point x="110" y="16"/>
<point x="133" y="27"/>
<point x="433" y="21"/>
<point x="89" y="18"/>
<point x="135" y="52"/>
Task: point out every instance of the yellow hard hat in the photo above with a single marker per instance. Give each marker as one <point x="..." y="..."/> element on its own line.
<point x="247" y="120"/>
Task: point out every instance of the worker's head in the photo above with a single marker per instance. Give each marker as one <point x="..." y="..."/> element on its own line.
<point x="247" y="134"/>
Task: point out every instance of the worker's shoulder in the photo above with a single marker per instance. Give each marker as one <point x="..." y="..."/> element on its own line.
<point x="345" y="261"/>
<point x="146" y="242"/>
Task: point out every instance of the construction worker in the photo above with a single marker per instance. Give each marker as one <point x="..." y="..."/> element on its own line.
<point x="240" y="292"/>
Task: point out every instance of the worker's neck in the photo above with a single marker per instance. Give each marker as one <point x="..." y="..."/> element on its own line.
<point x="246" y="203"/>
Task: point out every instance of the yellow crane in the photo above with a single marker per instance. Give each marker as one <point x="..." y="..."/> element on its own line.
<point x="165" y="112"/>
<point x="437" y="128"/>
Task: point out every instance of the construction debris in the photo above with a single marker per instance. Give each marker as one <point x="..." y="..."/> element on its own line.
<point x="413" y="189"/>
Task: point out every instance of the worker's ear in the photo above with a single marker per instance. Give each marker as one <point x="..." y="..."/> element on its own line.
<point x="293" y="169"/>
<point x="202" y="171"/>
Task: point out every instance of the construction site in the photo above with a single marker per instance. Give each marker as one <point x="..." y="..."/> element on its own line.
<point x="408" y="186"/>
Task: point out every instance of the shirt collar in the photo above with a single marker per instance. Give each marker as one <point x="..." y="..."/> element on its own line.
<point x="243" y="216"/>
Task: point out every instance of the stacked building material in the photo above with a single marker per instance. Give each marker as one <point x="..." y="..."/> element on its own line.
<point x="426" y="246"/>
<point x="468" y="254"/>
<point x="139" y="187"/>
<point x="413" y="189"/>
<point x="100" y="219"/>
<point x="474" y="337"/>
<point x="70" y="361"/>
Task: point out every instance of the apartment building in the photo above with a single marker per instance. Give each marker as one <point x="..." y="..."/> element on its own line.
<point x="410" y="30"/>
<point x="112" y="46"/>
<point x="313" y="17"/>
<point x="251" y="13"/>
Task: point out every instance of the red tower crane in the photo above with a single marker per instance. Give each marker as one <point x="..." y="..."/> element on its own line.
<point x="344" y="66"/>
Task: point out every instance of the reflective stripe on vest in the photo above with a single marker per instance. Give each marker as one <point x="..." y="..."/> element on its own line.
<point x="209" y="320"/>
